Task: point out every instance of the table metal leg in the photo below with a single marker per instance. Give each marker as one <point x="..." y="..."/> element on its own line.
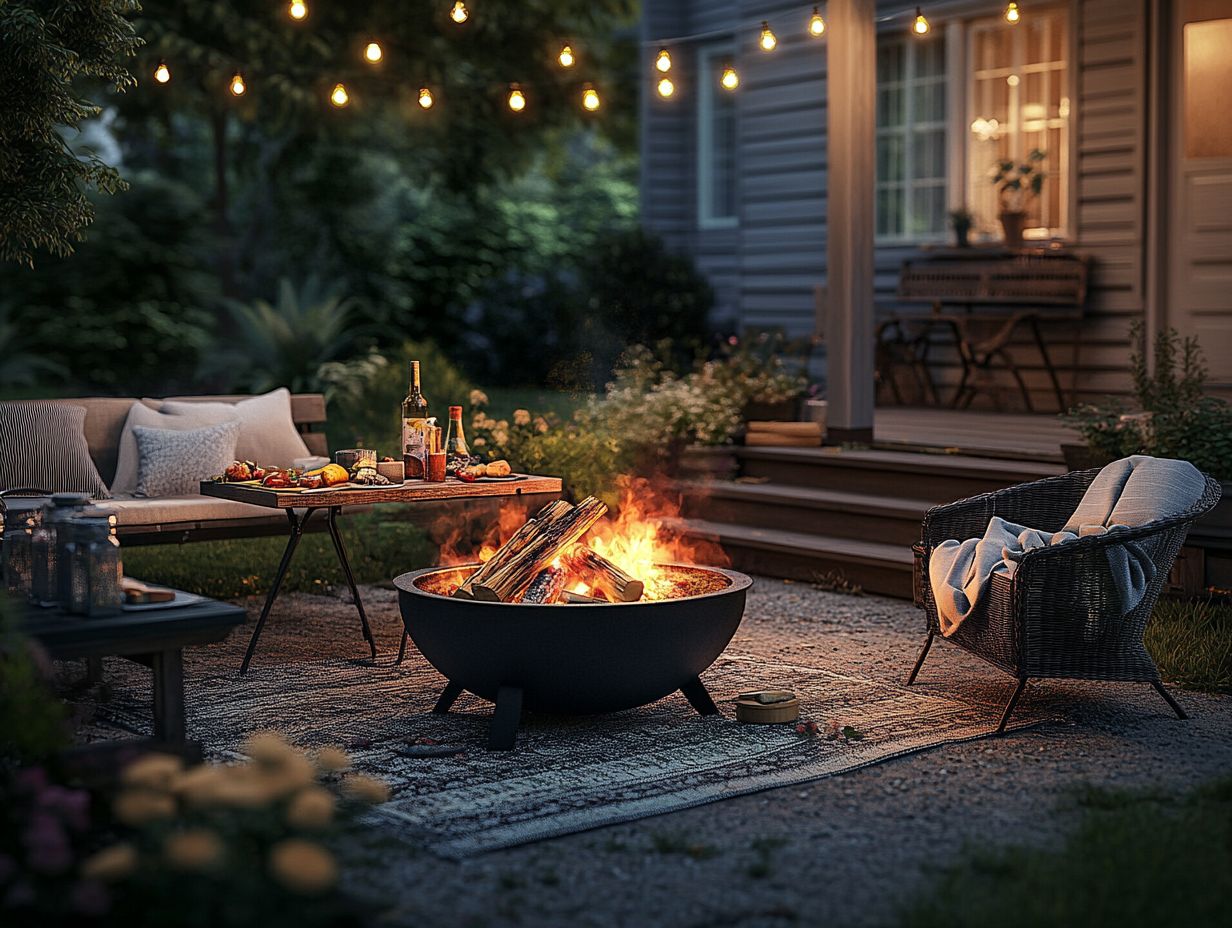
<point x="168" y="667"/>
<point x="331" y="520"/>
<point x="297" y="531"/>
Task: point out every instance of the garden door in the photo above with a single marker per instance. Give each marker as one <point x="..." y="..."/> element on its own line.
<point x="1200" y="180"/>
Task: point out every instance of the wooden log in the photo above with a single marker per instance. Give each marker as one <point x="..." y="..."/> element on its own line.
<point x="604" y="576"/>
<point x="511" y="548"/>
<point x="580" y="599"/>
<point x="546" y="586"/>
<point x="803" y="429"/>
<point x="549" y="541"/>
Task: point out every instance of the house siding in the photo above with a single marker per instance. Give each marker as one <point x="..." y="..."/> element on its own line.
<point x="767" y="271"/>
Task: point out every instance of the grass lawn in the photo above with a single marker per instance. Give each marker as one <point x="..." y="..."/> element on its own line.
<point x="1135" y="859"/>
<point x="379" y="548"/>
<point x="1192" y="643"/>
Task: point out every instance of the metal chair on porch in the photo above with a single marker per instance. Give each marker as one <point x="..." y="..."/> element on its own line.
<point x="1060" y="615"/>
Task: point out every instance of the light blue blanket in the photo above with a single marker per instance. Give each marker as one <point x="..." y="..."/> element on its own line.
<point x="1130" y="492"/>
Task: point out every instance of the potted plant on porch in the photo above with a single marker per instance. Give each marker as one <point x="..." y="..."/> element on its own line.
<point x="1016" y="183"/>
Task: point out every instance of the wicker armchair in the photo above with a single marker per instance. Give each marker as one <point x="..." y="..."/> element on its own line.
<point x="1060" y="616"/>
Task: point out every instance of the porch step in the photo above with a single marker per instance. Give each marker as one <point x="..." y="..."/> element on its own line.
<point x="934" y="478"/>
<point x="809" y="510"/>
<point x="875" y="567"/>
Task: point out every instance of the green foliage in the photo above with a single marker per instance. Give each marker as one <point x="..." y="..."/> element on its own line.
<point x="19" y="364"/>
<point x="365" y="394"/>
<point x="125" y="313"/>
<point x="51" y="49"/>
<point x="1171" y="417"/>
<point x="1192" y="643"/>
<point x="285" y="343"/>
<point x="1014" y="179"/>
<point x="33" y="722"/>
<point x="1135" y="859"/>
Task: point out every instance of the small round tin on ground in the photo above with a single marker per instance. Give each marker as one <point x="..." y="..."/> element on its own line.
<point x="752" y="712"/>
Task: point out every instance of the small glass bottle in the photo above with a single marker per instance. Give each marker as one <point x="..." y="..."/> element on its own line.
<point x="457" y="452"/>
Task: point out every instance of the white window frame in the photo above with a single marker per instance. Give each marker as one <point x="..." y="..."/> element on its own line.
<point x="710" y="61"/>
<point x="1060" y="166"/>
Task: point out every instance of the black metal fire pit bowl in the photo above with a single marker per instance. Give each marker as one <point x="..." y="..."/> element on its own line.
<point x="570" y="660"/>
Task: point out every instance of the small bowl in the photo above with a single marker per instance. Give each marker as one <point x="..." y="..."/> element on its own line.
<point x="350" y="458"/>
<point x="393" y="471"/>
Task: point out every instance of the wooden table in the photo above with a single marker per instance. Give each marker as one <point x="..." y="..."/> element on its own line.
<point x="300" y="505"/>
<point x="154" y="637"/>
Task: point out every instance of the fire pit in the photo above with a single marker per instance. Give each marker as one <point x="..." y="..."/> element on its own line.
<point x="572" y="659"/>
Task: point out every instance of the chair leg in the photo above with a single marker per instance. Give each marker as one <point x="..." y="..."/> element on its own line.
<point x="1009" y="706"/>
<point x="1176" y="706"/>
<point x="919" y="661"/>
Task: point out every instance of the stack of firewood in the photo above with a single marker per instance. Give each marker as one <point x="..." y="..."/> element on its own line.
<point x="544" y="555"/>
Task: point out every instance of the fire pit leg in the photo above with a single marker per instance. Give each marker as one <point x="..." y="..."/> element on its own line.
<point x="698" y="698"/>
<point x="503" y="732"/>
<point x="449" y="695"/>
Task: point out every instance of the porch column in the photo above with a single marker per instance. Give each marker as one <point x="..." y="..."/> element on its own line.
<point x="851" y="142"/>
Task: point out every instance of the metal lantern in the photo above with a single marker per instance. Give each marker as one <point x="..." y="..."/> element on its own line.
<point x="18" y="553"/>
<point x="91" y="565"/>
<point x="45" y="547"/>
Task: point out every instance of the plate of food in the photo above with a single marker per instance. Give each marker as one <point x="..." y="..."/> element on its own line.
<point x="493" y="472"/>
<point x="290" y="480"/>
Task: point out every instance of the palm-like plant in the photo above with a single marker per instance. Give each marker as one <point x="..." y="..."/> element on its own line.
<point x="284" y="344"/>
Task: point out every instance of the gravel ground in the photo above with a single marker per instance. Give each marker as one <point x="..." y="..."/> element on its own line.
<point x="849" y="850"/>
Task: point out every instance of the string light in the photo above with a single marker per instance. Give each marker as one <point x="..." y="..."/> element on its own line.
<point x="590" y="98"/>
<point x="237" y="85"/>
<point x="425" y="98"/>
<point x="517" y="99"/>
<point x="816" y="25"/>
<point x="565" y="57"/>
<point x="459" y="14"/>
<point x="666" y="87"/>
<point x="768" y="40"/>
<point x="1011" y="13"/>
<point x="373" y="52"/>
<point x="920" y="26"/>
<point x="730" y="79"/>
<point x="298" y="9"/>
<point x="663" y="61"/>
<point x="162" y="73"/>
<point x="339" y="96"/>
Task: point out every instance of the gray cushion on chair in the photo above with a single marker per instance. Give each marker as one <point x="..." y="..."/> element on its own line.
<point x="43" y="445"/>
<point x="173" y="463"/>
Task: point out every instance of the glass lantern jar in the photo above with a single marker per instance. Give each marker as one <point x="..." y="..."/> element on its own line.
<point x="17" y="549"/>
<point x="92" y="566"/>
<point x="45" y="547"/>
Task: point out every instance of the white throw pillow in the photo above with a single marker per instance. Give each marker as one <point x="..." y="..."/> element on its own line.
<point x="173" y="462"/>
<point x="125" y="481"/>
<point x="267" y="432"/>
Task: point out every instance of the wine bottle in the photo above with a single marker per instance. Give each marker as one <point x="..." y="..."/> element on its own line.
<point x="414" y="422"/>
<point x="455" y="440"/>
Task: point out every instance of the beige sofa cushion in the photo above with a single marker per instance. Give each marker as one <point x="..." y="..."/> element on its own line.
<point x="267" y="431"/>
<point x="142" y="414"/>
<point x="174" y="510"/>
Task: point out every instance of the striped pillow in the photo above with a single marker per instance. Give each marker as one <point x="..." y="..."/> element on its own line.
<point x="43" y="445"/>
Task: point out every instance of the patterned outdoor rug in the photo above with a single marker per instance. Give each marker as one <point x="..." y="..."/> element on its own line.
<point x="567" y="774"/>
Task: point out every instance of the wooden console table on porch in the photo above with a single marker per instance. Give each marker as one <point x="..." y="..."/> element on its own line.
<point x="301" y="504"/>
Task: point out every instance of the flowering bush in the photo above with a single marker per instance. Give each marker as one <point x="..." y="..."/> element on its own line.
<point x="1170" y="417"/>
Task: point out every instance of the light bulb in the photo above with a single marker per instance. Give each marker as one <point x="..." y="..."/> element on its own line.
<point x="666" y="87"/>
<point x="339" y="96"/>
<point x="237" y="84"/>
<point x="920" y="26"/>
<point x="373" y="52"/>
<point x="663" y="61"/>
<point x="517" y="99"/>
<point x="590" y="98"/>
<point x="162" y="73"/>
<point x="459" y="14"/>
<point x="817" y="25"/>
<point x="425" y="98"/>
<point x="1011" y="13"/>
<point x="298" y="9"/>
<point x="730" y="79"/>
<point x="768" y="40"/>
<point x="565" y="57"/>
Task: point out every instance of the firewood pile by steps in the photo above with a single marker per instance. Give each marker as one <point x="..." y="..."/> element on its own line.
<point x="545" y="561"/>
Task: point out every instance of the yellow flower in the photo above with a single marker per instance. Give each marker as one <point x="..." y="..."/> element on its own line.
<point x="521" y="417"/>
<point x="154" y="771"/>
<point x="215" y="785"/>
<point x="268" y="747"/>
<point x="311" y="808"/>
<point x="366" y="789"/>
<point x="541" y="424"/>
<point x="294" y="772"/>
<point x="331" y="759"/>
<point x="478" y="398"/>
<point x="479" y="442"/>
<point x="195" y="849"/>
<point x="141" y="806"/>
<point x="111" y="863"/>
<point x="303" y="867"/>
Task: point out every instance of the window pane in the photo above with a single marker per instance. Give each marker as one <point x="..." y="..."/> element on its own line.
<point x="928" y="102"/>
<point x="927" y="210"/>
<point x="889" y="158"/>
<point x="890" y="62"/>
<point x="928" y="154"/>
<point x="930" y="57"/>
<point x="889" y="215"/>
<point x="890" y="106"/>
